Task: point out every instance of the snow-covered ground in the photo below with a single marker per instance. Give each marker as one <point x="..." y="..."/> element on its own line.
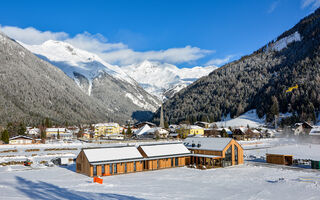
<point x="249" y="118"/>
<point x="299" y="151"/>
<point x="238" y="182"/>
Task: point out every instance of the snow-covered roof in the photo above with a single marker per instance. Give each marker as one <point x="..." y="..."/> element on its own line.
<point x="213" y="144"/>
<point x="143" y="130"/>
<point x="111" y="124"/>
<point x="315" y="131"/>
<point x="112" y="154"/>
<point x="20" y="137"/>
<point x="167" y="149"/>
<point x="55" y="129"/>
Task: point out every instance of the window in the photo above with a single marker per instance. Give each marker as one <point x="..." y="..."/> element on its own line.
<point x="176" y="162"/>
<point x="94" y="170"/>
<point x="125" y="167"/>
<point x="227" y="161"/>
<point x="115" y="168"/>
<point x="157" y="164"/>
<point x="134" y="166"/>
<point x="236" y="154"/>
<point x="171" y="162"/>
<point x="102" y="169"/>
<point x="111" y="170"/>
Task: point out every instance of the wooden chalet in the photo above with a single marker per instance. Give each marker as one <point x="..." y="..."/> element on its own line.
<point x="128" y="159"/>
<point x="302" y="128"/>
<point x="239" y="134"/>
<point x="214" y="152"/>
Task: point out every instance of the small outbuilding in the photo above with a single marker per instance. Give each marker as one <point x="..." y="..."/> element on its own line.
<point x="279" y="159"/>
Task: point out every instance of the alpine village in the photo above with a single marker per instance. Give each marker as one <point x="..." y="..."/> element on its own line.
<point x="81" y="119"/>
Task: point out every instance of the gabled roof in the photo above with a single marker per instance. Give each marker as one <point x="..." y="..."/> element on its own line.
<point x="212" y="144"/>
<point x="21" y="136"/>
<point x="166" y="149"/>
<point x="143" y="130"/>
<point x="112" y="154"/>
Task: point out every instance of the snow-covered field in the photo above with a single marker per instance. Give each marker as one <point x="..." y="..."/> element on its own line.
<point x="238" y="182"/>
<point x="249" y="118"/>
<point x="299" y="151"/>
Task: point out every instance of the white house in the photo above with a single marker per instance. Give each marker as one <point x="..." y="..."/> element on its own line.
<point x="20" y="139"/>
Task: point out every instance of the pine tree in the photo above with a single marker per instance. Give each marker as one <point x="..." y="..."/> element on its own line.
<point x="5" y="136"/>
<point x="43" y="134"/>
<point x="166" y="124"/>
<point x="58" y="135"/>
<point x="274" y="110"/>
<point x="22" y="129"/>
<point x="224" y="133"/>
<point x="129" y="131"/>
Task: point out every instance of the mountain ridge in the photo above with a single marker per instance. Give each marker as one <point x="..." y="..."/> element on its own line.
<point x="259" y="81"/>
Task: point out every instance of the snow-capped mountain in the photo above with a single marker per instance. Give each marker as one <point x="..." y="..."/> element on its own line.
<point x="162" y="79"/>
<point x="97" y="78"/>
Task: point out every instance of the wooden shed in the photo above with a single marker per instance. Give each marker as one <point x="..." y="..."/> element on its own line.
<point x="214" y="152"/>
<point x="109" y="161"/>
<point x="166" y="155"/>
<point x="279" y="159"/>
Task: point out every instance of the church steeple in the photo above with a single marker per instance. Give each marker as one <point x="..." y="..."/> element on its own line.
<point x="161" y="117"/>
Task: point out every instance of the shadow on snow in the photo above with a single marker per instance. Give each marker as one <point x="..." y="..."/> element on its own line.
<point x="47" y="191"/>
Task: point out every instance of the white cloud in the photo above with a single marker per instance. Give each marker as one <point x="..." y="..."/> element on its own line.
<point x="93" y="43"/>
<point x="313" y="3"/>
<point x="220" y="61"/>
<point x="31" y="35"/>
<point x="172" y="55"/>
<point x="114" y="53"/>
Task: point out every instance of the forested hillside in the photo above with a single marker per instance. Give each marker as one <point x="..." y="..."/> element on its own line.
<point x="259" y="81"/>
<point x="32" y="89"/>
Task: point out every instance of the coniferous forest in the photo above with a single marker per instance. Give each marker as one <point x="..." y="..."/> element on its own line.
<point x="259" y="81"/>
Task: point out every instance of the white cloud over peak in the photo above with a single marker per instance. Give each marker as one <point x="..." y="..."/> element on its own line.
<point x="172" y="55"/>
<point x="31" y="35"/>
<point x="313" y="3"/>
<point x="220" y="61"/>
<point x="113" y="53"/>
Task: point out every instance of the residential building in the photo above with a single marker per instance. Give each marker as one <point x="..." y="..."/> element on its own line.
<point x="56" y="133"/>
<point x="20" y="139"/>
<point x="202" y="124"/>
<point x="302" y="128"/>
<point x="186" y="130"/>
<point x="103" y="129"/>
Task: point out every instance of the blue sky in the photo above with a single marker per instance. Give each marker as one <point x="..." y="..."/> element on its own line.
<point x="185" y="33"/>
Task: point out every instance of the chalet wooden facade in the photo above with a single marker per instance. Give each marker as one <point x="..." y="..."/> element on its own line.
<point x="167" y="155"/>
<point x="128" y="159"/>
<point x="109" y="161"/>
<point x="214" y="152"/>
